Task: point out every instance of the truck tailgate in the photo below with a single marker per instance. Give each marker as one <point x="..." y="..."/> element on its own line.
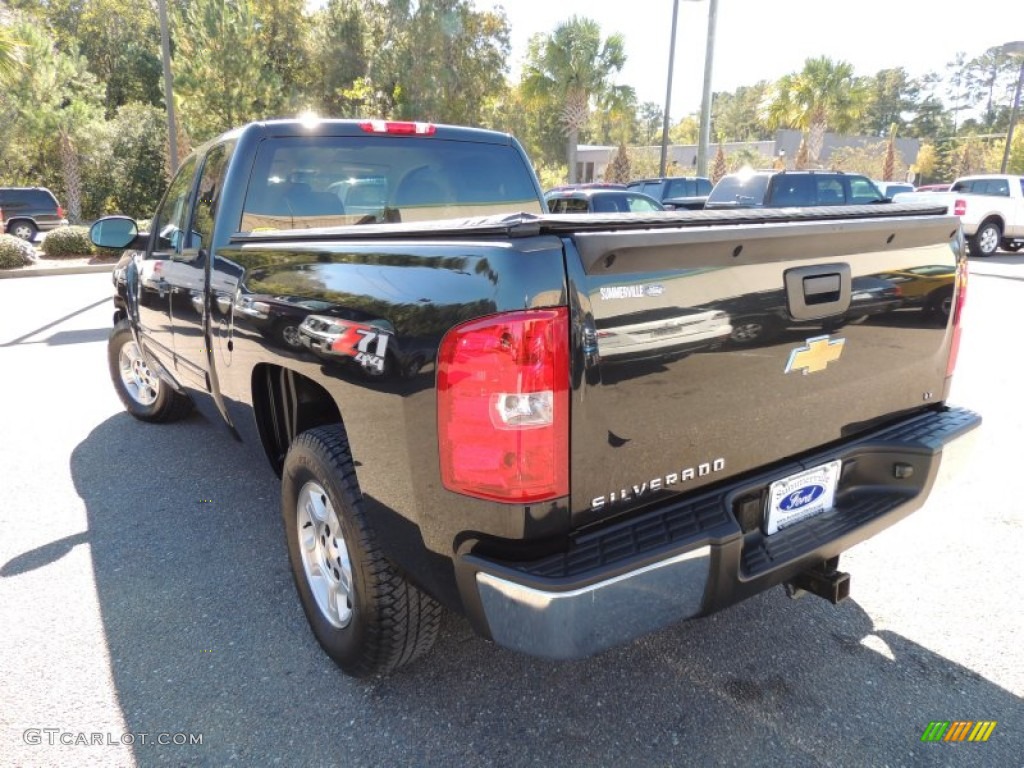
<point x="711" y="350"/>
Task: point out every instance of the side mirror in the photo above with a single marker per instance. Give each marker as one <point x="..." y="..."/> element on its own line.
<point x="114" y="232"/>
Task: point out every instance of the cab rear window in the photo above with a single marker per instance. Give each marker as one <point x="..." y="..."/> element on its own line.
<point x="303" y="183"/>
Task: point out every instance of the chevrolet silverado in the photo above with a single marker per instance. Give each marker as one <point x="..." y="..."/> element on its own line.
<point x="537" y="421"/>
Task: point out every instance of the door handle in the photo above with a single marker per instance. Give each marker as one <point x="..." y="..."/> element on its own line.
<point x="814" y="292"/>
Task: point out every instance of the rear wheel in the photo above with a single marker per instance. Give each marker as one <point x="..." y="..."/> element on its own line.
<point x="985" y="241"/>
<point x="755" y="329"/>
<point x="144" y="394"/>
<point x="25" y="230"/>
<point x="364" y="613"/>
<point x="940" y="304"/>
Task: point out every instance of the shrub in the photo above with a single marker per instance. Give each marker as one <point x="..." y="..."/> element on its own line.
<point x="68" y="241"/>
<point x="15" y="252"/>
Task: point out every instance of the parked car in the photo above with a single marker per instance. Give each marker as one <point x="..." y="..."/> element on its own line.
<point x="890" y="188"/>
<point x="683" y="192"/>
<point x="761" y="317"/>
<point x="26" y="211"/>
<point x="990" y="207"/>
<point x="933" y="188"/>
<point x="587" y="185"/>
<point x="928" y="287"/>
<point x="784" y="189"/>
<point x="600" y="200"/>
<point x="561" y="509"/>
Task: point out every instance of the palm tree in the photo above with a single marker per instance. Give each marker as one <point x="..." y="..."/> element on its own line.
<point x="572" y="67"/>
<point x="823" y="96"/>
<point x="8" y="52"/>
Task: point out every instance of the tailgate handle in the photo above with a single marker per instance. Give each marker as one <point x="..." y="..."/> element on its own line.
<point x="819" y="291"/>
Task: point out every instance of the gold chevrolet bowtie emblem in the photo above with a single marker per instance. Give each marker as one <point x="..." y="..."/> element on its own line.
<point x="815" y="355"/>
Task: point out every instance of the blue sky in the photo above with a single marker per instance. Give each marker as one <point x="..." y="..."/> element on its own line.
<point x="764" y="40"/>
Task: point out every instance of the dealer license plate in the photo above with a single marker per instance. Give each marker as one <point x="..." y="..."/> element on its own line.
<point x="801" y="496"/>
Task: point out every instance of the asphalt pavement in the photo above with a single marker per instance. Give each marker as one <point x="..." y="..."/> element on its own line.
<point x="146" y="604"/>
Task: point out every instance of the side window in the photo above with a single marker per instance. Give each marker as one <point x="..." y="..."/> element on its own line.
<point x="640" y="205"/>
<point x="208" y="196"/>
<point x="793" y="190"/>
<point x="863" y="191"/>
<point x="829" y="192"/>
<point x="169" y="222"/>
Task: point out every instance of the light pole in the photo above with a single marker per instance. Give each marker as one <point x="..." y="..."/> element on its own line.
<point x="1016" y="47"/>
<point x="668" y="88"/>
<point x="165" y="51"/>
<point x="705" y="103"/>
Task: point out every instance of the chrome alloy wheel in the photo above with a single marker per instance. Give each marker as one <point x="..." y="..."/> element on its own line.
<point x="290" y="334"/>
<point x="748" y="331"/>
<point x="142" y="384"/>
<point x="989" y="240"/>
<point x="325" y="557"/>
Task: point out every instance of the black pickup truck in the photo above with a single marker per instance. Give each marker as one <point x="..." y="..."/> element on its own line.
<point x="537" y="421"/>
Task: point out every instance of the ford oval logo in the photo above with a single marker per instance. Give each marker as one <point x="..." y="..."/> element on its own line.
<point x="801" y="498"/>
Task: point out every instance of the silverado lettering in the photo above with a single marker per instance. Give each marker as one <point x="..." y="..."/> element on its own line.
<point x="658" y="483"/>
<point x="386" y="314"/>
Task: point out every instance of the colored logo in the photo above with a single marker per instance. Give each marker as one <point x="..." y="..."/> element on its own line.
<point x="815" y="355"/>
<point x="801" y="498"/>
<point x="958" y="730"/>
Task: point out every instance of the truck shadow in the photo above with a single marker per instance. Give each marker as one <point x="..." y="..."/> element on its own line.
<point x="205" y="635"/>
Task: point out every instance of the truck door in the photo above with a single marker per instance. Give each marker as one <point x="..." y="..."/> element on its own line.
<point x="156" y="268"/>
<point x="188" y="277"/>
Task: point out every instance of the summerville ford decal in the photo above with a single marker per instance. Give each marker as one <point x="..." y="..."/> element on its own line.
<point x="631" y="291"/>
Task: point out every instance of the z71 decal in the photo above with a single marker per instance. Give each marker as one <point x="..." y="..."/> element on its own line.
<point x="372" y="347"/>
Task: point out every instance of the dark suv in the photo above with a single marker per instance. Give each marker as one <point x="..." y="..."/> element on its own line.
<point x="26" y="211"/>
<point x="683" y="192"/>
<point x="784" y="189"/>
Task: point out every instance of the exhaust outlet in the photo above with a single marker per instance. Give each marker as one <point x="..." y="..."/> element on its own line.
<point x="823" y="580"/>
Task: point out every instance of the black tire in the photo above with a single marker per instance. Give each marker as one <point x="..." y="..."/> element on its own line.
<point x="144" y="394"/>
<point x="940" y="304"/>
<point x="286" y="333"/>
<point x="985" y="241"/>
<point x="25" y="230"/>
<point x="386" y="622"/>
<point x="754" y="329"/>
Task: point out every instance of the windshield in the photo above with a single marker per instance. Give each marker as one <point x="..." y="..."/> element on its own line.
<point x="739" y="191"/>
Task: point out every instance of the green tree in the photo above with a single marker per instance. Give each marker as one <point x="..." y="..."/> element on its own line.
<point x="685" y="131"/>
<point x="823" y="96"/>
<point x="223" y="76"/>
<point x="284" y="37"/>
<point x="138" y="150"/>
<point x="572" y="68"/>
<point x="339" y="56"/>
<point x="8" y="52"/>
<point x="650" y="119"/>
<point x="891" y="94"/>
<point x="737" y="116"/>
<point x="455" y="59"/>
<point x="50" y="103"/>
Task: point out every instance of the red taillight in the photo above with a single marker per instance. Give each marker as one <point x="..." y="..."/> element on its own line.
<point x="960" y="207"/>
<point x="959" y="297"/>
<point x="398" y="128"/>
<point x="503" y="406"/>
<point x="60" y="211"/>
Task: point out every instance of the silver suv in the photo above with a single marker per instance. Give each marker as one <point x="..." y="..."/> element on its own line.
<point x="26" y="211"/>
